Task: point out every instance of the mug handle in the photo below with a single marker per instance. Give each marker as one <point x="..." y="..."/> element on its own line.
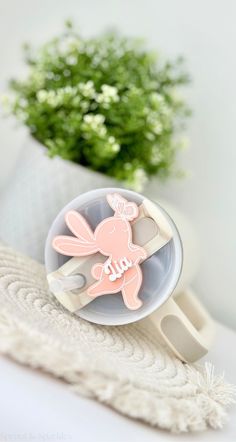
<point x="185" y="326"/>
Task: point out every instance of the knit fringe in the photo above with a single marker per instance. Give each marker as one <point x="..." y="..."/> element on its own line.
<point x="206" y="409"/>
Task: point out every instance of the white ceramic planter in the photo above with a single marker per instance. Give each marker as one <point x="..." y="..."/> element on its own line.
<point x="41" y="186"/>
<point x="37" y="191"/>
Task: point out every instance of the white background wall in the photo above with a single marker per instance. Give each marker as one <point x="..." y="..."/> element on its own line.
<point x="204" y="31"/>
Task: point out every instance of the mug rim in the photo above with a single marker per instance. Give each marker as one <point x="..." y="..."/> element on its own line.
<point x="59" y="223"/>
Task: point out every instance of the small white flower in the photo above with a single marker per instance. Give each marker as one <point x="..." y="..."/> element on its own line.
<point x="88" y="118"/>
<point x="165" y="110"/>
<point x="66" y="72"/>
<point x="67" y="90"/>
<point x="115" y="147"/>
<point x="150" y="136"/>
<point x="108" y="95"/>
<point x="38" y="78"/>
<point x="54" y="98"/>
<point x="152" y="117"/>
<point x="76" y="100"/>
<point x="156" y="155"/>
<point x="99" y="118"/>
<point x="96" y="60"/>
<point x="50" y="75"/>
<point x="157" y="98"/>
<point x="110" y="91"/>
<point x="96" y="123"/>
<point x="84" y="105"/>
<point x="157" y="128"/>
<point x="154" y="121"/>
<point x="101" y="131"/>
<point x="42" y="95"/>
<point x="87" y="89"/>
<point x="71" y="60"/>
<point x="67" y="44"/>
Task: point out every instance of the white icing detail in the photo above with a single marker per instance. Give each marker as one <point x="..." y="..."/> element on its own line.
<point x="117" y="269"/>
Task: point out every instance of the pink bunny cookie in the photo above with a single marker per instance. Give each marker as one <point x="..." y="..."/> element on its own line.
<point x="112" y="238"/>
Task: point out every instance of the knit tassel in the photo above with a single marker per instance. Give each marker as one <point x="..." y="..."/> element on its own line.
<point x="207" y="408"/>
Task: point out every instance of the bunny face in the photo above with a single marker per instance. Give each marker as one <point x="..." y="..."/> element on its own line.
<point x="112" y="236"/>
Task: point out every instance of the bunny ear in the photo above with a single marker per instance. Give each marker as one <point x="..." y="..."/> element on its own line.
<point x="83" y="244"/>
<point x="122" y="207"/>
<point x="116" y="202"/>
<point x="79" y="227"/>
<point x="70" y="246"/>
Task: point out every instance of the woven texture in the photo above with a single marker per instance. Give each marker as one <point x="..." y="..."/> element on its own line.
<point x="39" y="188"/>
<point x="125" y="367"/>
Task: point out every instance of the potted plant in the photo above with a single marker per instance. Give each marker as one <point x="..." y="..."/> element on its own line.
<point x="98" y="110"/>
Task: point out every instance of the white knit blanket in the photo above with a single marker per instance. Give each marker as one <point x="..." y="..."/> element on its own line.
<point x="125" y="367"/>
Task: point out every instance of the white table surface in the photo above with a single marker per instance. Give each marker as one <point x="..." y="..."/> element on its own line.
<point x="36" y="407"/>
